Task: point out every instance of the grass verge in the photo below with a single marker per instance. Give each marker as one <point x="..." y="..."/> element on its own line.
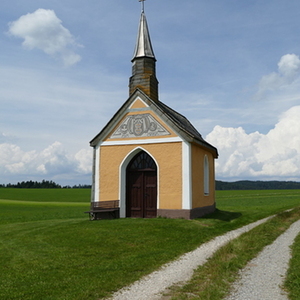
<point x="213" y="280"/>
<point x="292" y="283"/>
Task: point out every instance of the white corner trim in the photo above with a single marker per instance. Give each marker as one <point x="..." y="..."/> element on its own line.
<point x="97" y="174"/>
<point x="186" y="176"/>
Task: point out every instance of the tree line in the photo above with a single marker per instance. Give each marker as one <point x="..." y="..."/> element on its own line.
<point x="44" y="184"/>
<point x="220" y="185"/>
<point x="257" y="185"/>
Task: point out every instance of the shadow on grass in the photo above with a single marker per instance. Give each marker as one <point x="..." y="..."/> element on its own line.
<point x="223" y="215"/>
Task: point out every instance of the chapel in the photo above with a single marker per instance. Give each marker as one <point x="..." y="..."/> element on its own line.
<point x="149" y="157"/>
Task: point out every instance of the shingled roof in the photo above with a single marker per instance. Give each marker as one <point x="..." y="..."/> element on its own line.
<point x="185" y="125"/>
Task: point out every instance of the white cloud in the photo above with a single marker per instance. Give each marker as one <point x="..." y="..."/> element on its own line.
<point x="287" y="74"/>
<point x="43" y="30"/>
<point x="54" y="161"/>
<point x="258" y="156"/>
<point x="84" y="159"/>
<point x="289" y="65"/>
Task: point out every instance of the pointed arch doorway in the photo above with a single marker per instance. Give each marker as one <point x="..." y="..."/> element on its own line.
<point x="141" y="187"/>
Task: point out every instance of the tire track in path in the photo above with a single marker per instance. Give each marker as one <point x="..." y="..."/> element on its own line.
<point x="181" y="270"/>
<point x="263" y="276"/>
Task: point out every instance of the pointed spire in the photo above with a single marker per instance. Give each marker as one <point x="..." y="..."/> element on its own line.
<point x="143" y="47"/>
<point x="143" y="64"/>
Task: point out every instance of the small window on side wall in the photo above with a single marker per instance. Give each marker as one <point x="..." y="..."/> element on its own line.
<point x="206" y="175"/>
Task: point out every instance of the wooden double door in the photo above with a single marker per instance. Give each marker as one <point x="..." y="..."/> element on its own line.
<point x="141" y="187"/>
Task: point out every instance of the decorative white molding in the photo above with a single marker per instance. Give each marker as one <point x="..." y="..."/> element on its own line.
<point x="142" y="141"/>
<point x="141" y="125"/>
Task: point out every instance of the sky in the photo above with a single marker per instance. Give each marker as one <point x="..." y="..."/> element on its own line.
<point x="231" y="67"/>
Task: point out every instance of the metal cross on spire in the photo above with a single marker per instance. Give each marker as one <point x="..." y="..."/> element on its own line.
<point x="142" y="4"/>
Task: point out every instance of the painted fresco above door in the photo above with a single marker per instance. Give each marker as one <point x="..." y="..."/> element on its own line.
<point x="141" y="125"/>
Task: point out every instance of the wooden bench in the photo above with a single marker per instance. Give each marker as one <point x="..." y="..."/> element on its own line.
<point x="104" y="210"/>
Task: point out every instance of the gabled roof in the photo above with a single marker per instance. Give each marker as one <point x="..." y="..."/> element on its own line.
<point x="180" y="120"/>
<point x="179" y="123"/>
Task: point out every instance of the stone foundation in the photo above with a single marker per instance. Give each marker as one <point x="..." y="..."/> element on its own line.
<point x="186" y="213"/>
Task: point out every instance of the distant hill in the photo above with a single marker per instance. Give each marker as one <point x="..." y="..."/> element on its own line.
<point x="257" y="185"/>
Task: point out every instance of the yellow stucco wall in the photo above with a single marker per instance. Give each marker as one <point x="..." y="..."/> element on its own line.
<point x="138" y="104"/>
<point x="198" y="198"/>
<point x="169" y="159"/>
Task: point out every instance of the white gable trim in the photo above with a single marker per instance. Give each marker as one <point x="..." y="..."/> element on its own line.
<point x="98" y="140"/>
<point x="136" y="99"/>
<point x="142" y="141"/>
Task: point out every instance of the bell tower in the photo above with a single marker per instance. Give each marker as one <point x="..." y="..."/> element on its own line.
<point x="144" y="63"/>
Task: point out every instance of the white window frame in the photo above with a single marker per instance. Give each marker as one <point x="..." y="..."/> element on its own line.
<point x="206" y="176"/>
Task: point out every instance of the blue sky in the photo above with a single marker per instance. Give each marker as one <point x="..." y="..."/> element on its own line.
<point x="231" y="67"/>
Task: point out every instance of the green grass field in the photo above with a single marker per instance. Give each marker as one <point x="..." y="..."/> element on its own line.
<point x="47" y="195"/>
<point x="50" y="250"/>
<point x="27" y="205"/>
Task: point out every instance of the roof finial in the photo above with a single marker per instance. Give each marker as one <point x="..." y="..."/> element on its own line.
<point x="142" y="4"/>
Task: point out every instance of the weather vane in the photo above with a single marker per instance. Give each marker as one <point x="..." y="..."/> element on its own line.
<point x="142" y="4"/>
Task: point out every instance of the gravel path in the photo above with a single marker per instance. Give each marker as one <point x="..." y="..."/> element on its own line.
<point x="262" y="277"/>
<point x="153" y="285"/>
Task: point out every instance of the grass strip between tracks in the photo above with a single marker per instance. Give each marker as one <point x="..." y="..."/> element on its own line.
<point x="213" y="280"/>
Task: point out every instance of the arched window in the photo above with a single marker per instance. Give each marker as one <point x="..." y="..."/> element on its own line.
<point x="142" y="161"/>
<point x="206" y="175"/>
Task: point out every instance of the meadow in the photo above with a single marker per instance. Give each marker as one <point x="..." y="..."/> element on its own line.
<point x="50" y="250"/>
